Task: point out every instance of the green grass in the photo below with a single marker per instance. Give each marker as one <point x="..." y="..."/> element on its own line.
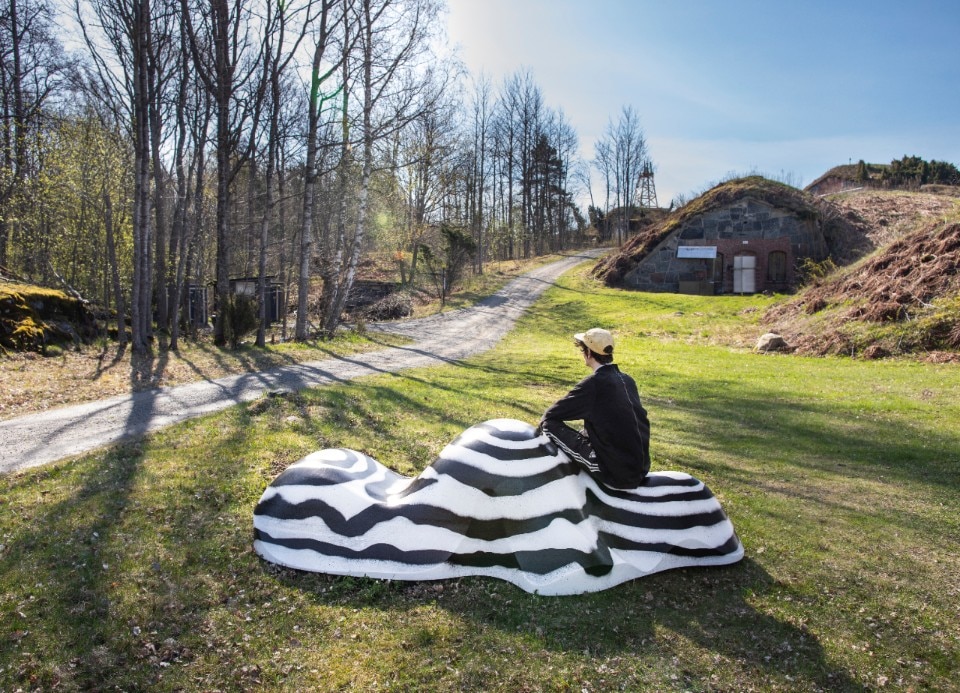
<point x="132" y="568"/>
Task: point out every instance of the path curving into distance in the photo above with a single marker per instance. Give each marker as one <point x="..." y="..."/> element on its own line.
<point x="37" y="439"/>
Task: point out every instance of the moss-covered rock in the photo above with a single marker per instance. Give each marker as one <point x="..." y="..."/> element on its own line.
<point x="33" y="317"/>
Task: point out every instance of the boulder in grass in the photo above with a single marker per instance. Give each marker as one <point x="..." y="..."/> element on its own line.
<point x="771" y="341"/>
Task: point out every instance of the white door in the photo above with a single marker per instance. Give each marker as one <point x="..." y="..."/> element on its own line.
<point x="744" y="274"/>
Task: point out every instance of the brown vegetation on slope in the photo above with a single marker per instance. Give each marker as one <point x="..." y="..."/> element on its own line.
<point x="882" y="216"/>
<point x="912" y="285"/>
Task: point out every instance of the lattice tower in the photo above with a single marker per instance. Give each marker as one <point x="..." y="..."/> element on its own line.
<point x="646" y="188"/>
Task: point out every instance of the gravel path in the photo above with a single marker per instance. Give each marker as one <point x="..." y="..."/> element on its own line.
<point x="37" y="439"/>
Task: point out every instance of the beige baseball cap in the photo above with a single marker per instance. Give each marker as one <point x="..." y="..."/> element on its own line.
<point x="597" y="340"/>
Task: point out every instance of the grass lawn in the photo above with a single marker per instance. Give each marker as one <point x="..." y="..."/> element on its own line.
<point x="132" y="568"/>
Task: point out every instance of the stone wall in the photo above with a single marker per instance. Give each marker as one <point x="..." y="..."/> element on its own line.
<point x="745" y="227"/>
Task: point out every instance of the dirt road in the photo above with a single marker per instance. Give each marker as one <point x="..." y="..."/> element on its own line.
<point x="37" y="439"/>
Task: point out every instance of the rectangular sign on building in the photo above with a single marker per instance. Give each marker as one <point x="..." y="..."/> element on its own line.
<point x="697" y="252"/>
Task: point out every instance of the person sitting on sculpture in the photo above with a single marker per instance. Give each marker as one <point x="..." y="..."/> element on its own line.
<point x="614" y="448"/>
<point x="504" y="500"/>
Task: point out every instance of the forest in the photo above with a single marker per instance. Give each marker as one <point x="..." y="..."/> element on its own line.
<point x="154" y="148"/>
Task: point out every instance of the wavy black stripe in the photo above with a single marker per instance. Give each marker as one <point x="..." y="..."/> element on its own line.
<point x="699" y="494"/>
<point x="367" y="519"/>
<point x="376" y="490"/>
<point x="635" y="518"/>
<point x="614" y="541"/>
<point x="334" y="472"/>
<point x="415" y="485"/>
<point x="498" y="485"/>
<point x="492" y="485"/>
<point x="467" y="526"/>
<point x="657" y="480"/>
<point x="502" y="454"/>
<point x="652" y="482"/>
<point x="598" y="562"/>
<point x="540" y="562"/>
<point x="377" y="552"/>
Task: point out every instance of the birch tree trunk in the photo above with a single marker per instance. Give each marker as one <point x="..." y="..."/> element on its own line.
<point x="140" y="294"/>
<point x="114" y="268"/>
<point x="316" y="101"/>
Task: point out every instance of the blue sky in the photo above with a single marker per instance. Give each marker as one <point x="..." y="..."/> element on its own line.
<point x="787" y="88"/>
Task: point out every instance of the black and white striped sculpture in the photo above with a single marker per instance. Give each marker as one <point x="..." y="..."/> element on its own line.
<point x="500" y="501"/>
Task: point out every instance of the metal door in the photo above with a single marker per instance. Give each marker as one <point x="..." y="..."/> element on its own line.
<point x="744" y="274"/>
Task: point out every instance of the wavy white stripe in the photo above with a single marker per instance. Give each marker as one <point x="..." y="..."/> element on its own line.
<point x="707" y="535"/>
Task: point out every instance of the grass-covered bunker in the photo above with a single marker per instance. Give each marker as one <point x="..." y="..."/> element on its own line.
<point x="743" y="236"/>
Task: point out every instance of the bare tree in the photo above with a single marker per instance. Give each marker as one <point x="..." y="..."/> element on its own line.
<point x="621" y="155"/>
<point x="32" y="69"/>
<point x="422" y="160"/>
<point x="291" y="127"/>
<point x="506" y="147"/>
<point x="329" y="18"/>
<point x="163" y="76"/>
<point x="603" y="162"/>
<point x="118" y="40"/>
<point x="564" y="143"/>
<point x="192" y="115"/>
<point x="278" y="22"/>
<point x="533" y="150"/>
<point x="397" y="80"/>
<point x="226" y="61"/>
<point x="517" y="126"/>
<point x="482" y="107"/>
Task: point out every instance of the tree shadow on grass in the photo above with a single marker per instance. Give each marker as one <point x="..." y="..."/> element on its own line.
<point x="249" y="359"/>
<point x="480" y="383"/>
<point x="65" y="574"/>
<point x="113" y="580"/>
<point x="793" y="435"/>
<point x="697" y="620"/>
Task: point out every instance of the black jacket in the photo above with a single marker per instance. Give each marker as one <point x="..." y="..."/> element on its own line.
<point x="608" y="403"/>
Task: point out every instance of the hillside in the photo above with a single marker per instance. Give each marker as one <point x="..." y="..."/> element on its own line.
<point x="903" y="297"/>
<point x="908" y="173"/>
<point x="869" y="219"/>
